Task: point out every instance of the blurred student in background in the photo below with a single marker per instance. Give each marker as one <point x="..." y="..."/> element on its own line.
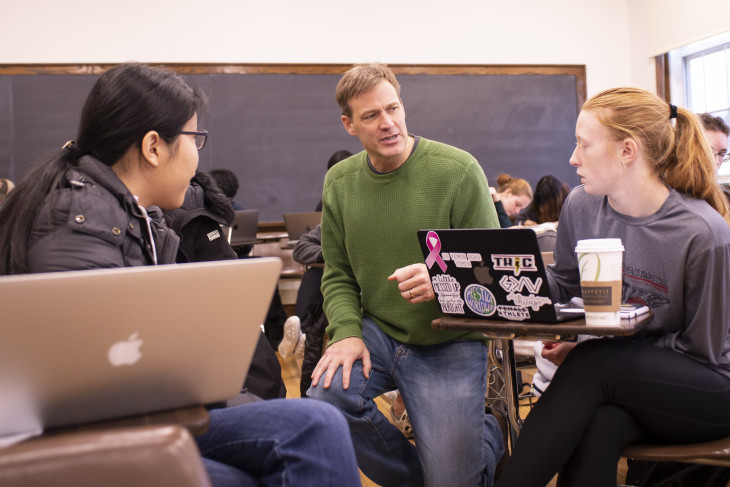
<point x="716" y="133"/>
<point x="550" y="193"/>
<point x="510" y="197"/>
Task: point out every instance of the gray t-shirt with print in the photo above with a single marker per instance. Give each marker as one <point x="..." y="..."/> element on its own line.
<point x="677" y="262"/>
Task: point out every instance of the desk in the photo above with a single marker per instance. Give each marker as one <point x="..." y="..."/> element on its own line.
<point x="271" y="236"/>
<point x="507" y="331"/>
<point x="244" y="243"/>
<point x="260" y="239"/>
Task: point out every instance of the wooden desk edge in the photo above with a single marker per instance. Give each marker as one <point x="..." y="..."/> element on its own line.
<point x="272" y="237"/>
<point x="237" y="245"/>
<point x="514" y="329"/>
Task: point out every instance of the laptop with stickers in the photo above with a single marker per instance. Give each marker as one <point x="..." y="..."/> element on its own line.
<point x="83" y="346"/>
<point x="490" y="273"/>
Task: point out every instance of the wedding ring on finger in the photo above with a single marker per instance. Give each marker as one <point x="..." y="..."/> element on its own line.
<point x="411" y="293"/>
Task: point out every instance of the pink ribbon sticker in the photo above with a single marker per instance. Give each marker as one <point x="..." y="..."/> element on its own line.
<point x="434" y="246"/>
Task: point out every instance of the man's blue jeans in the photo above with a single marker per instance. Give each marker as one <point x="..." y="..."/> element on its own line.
<point x="280" y="442"/>
<point x="443" y="387"/>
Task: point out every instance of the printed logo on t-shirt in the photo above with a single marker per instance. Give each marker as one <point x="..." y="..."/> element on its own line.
<point x="213" y="235"/>
<point x="644" y="288"/>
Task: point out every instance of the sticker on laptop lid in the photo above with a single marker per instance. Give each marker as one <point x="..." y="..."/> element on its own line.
<point x="434" y="249"/>
<point x="480" y="300"/>
<point x="462" y="259"/>
<point x="514" y="262"/>
<point x="513" y="313"/>
<point x="513" y="284"/>
<point x="448" y="290"/>
<point x="529" y="301"/>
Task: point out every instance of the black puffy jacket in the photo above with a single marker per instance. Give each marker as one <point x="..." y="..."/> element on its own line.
<point x="93" y="221"/>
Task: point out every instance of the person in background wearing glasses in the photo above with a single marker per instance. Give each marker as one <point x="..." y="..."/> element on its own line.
<point x="97" y="204"/>
<point x="716" y="133"/>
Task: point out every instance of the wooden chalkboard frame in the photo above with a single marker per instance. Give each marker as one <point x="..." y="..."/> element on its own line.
<point x="578" y="72"/>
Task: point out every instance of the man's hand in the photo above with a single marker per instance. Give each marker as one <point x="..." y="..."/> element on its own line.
<point x="344" y="353"/>
<point x="414" y="283"/>
<point x="556" y="351"/>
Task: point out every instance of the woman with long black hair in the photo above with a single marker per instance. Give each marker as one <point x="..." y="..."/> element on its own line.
<point x="96" y="204"/>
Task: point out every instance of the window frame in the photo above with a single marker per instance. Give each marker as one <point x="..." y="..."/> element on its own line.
<point x="677" y="72"/>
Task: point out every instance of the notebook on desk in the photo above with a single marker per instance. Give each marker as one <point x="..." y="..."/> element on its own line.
<point x="92" y="345"/>
<point x="490" y="273"/>
<point x="244" y="228"/>
<point x="297" y="224"/>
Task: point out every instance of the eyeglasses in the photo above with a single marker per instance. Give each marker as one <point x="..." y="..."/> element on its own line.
<point x="201" y="136"/>
<point x="723" y="156"/>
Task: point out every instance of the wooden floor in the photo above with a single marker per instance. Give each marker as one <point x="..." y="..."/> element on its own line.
<point x="291" y="374"/>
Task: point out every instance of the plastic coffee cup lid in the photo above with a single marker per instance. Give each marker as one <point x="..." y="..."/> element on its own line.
<point x="599" y="245"/>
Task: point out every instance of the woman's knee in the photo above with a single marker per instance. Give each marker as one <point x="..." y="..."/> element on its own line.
<point x="590" y="353"/>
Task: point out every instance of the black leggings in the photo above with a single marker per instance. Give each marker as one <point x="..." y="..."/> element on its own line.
<point x="610" y="393"/>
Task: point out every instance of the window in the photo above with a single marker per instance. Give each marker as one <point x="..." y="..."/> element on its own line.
<point x="700" y="80"/>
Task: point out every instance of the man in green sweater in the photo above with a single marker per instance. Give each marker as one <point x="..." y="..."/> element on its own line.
<point x="379" y="301"/>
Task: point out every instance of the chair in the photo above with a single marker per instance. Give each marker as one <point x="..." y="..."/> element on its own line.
<point x="715" y="452"/>
<point x="158" y="455"/>
<point x="711" y="453"/>
<point x="497" y="397"/>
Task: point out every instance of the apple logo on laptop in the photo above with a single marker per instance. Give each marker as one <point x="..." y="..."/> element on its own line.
<point x="483" y="275"/>
<point x="125" y="352"/>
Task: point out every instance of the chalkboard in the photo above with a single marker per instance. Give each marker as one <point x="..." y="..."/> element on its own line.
<point x="276" y="126"/>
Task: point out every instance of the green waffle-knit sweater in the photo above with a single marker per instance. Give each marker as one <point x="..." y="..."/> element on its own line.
<point x="369" y="229"/>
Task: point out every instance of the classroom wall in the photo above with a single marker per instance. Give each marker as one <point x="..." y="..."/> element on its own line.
<point x="590" y="32"/>
<point x="615" y="39"/>
<point x="676" y="23"/>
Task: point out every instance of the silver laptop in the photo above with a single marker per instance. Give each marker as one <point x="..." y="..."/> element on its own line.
<point x="244" y="228"/>
<point x="91" y="345"/>
<point x="297" y="224"/>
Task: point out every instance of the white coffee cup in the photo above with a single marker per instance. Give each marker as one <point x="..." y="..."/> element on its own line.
<point x="599" y="263"/>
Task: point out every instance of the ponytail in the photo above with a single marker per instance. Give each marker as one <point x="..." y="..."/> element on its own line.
<point x="689" y="166"/>
<point x="680" y="155"/>
<point x="20" y="209"/>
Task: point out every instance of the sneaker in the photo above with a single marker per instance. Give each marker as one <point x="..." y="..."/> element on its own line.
<point x="403" y="423"/>
<point x="299" y="350"/>
<point x="292" y="332"/>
